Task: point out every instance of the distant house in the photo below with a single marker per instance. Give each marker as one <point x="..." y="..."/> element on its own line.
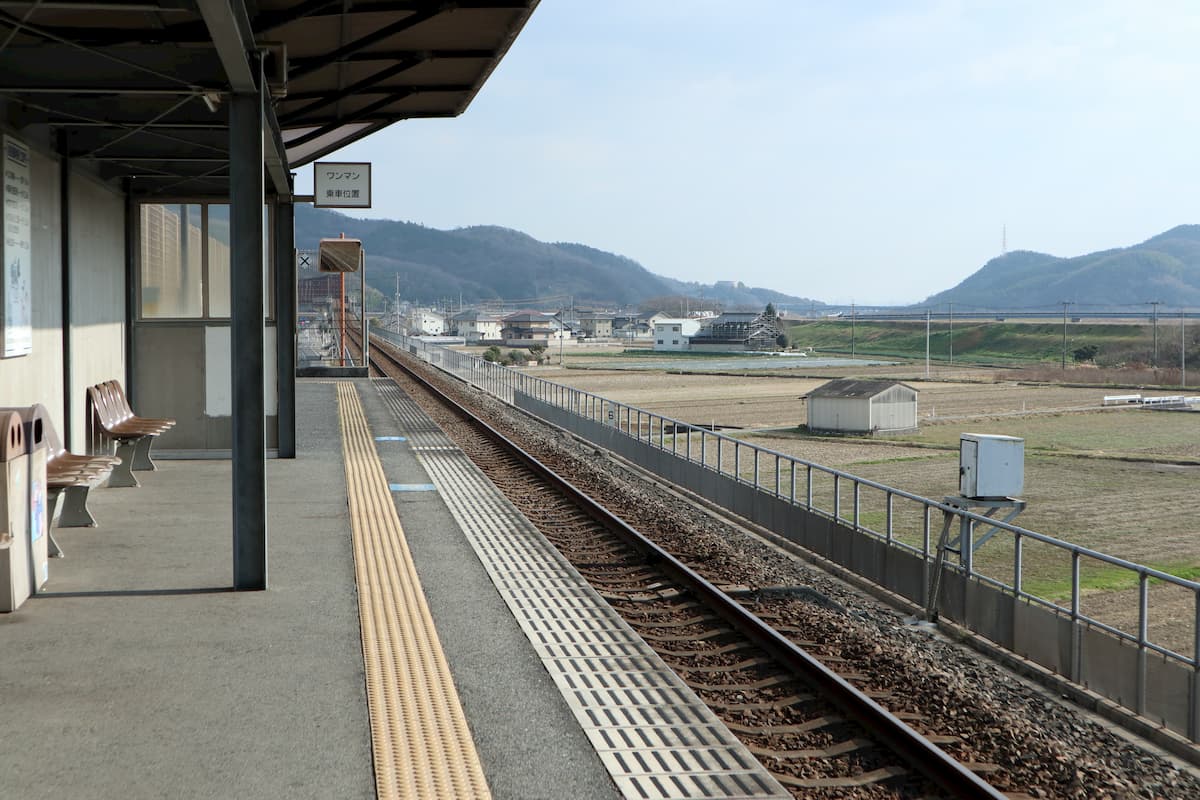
<point x="476" y="326"/>
<point x="738" y="330"/>
<point x="426" y="322"/>
<point x="594" y="324"/>
<point x="640" y="326"/>
<point x="673" y="334"/>
<point x="525" y="328"/>
<point x="853" y="406"/>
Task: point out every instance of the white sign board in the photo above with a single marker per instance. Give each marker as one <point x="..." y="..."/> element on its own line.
<point x="16" y="323"/>
<point x="341" y="184"/>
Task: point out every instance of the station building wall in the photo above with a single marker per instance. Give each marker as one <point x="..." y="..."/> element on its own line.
<point x="38" y="377"/>
<point x="180" y="360"/>
<point x="97" y="253"/>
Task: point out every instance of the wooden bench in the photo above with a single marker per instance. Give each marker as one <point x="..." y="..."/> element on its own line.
<point x="111" y="422"/>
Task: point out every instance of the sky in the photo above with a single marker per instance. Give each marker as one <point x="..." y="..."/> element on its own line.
<point x="867" y="152"/>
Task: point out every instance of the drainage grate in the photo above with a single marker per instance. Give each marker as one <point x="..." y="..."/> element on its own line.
<point x="655" y="737"/>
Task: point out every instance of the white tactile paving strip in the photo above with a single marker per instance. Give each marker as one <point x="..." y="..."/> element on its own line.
<point x="655" y="737"/>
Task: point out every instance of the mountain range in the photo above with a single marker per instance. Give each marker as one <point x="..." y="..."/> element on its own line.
<point x="1164" y="269"/>
<point x="488" y="263"/>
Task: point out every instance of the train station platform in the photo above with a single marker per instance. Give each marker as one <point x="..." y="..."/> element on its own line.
<point x="139" y="673"/>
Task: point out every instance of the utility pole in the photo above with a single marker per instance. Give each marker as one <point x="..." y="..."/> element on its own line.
<point x="1065" y="303"/>
<point x="927" y="314"/>
<point x="1182" y="351"/>
<point x="952" y="333"/>
<point x="852" y="328"/>
<point x="1155" y="304"/>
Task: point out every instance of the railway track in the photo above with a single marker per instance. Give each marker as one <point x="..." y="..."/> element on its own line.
<point x="735" y="646"/>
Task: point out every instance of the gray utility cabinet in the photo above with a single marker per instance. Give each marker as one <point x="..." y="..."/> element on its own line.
<point x="990" y="466"/>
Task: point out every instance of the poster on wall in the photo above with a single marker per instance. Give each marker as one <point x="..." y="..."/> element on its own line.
<point x="16" y="321"/>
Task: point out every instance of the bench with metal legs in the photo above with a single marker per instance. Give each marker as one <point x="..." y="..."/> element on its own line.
<point x="113" y="423"/>
<point x="72" y="477"/>
<point x="141" y="455"/>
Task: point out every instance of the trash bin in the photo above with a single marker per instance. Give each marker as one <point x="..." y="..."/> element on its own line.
<point x="35" y="423"/>
<point x="15" y="584"/>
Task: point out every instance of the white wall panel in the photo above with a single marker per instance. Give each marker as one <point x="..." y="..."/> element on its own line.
<point x="218" y="378"/>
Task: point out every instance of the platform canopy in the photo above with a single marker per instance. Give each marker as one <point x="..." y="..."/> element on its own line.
<point x="141" y="87"/>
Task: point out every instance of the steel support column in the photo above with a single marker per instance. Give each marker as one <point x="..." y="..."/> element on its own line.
<point x="64" y="227"/>
<point x="285" y="324"/>
<point x="133" y="246"/>
<point x="246" y="196"/>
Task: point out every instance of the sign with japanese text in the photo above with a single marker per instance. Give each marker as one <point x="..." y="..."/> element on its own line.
<point x="16" y="321"/>
<point x="341" y="185"/>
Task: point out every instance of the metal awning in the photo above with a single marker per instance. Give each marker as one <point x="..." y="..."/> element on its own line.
<point x="140" y="87"/>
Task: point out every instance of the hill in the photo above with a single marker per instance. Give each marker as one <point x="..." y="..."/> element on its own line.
<point x="1165" y="268"/>
<point x="484" y="263"/>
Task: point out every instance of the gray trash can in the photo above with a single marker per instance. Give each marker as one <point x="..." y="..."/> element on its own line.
<point x="37" y="445"/>
<point x="15" y="583"/>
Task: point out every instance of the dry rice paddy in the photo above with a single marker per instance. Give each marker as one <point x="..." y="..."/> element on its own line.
<point x="1119" y="480"/>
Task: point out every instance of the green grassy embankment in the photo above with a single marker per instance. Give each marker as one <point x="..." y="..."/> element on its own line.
<point x="995" y="343"/>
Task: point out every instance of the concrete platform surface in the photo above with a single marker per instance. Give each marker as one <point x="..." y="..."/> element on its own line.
<point x="138" y="673"/>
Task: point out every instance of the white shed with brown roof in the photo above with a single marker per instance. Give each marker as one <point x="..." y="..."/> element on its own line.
<point x="853" y="406"/>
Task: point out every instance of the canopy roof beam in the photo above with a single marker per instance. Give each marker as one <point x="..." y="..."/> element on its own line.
<point x="233" y="38"/>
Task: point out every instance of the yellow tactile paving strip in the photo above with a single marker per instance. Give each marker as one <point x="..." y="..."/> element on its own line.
<point x="419" y="736"/>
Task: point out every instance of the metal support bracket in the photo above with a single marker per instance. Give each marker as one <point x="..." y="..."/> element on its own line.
<point x="964" y="544"/>
<point x="1015" y="506"/>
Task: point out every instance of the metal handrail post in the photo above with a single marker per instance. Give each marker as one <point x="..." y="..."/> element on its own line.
<point x="1075" y="638"/>
<point x="1194" y="711"/>
<point x="1143" y="631"/>
<point x="888" y="535"/>
<point x="837" y="497"/>
<point x="857" y="504"/>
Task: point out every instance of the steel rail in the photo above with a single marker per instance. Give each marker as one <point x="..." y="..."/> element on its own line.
<point x="926" y="757"/>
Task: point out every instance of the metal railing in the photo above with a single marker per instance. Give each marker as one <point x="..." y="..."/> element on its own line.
<point x="899" y="518"/>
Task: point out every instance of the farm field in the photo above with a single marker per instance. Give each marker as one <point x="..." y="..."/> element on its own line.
<point x="1119" y="480"/>
<point x="770" y="401"/>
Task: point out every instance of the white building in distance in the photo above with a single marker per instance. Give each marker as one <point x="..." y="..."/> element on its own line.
<point x="674" y="333"/>
<point x="426" y="322"/>
<point x="477" y="326"/>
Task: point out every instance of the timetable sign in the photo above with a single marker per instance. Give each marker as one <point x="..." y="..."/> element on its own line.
<point x="341" y="185"/>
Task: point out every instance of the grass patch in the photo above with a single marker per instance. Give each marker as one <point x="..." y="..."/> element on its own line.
<point x="971" y="342"/>
<point x="1145" y="434"/>
<point x="1102" y="578"/>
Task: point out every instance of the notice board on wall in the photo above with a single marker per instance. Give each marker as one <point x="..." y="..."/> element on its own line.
<point x="16" y="302"/>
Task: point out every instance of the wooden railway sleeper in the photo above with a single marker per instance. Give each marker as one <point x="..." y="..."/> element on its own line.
<point x="865" y="779"/>
<point x="755" y="686"/>
<point x="778" y="704"/>
<point x="833" y="751"/>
